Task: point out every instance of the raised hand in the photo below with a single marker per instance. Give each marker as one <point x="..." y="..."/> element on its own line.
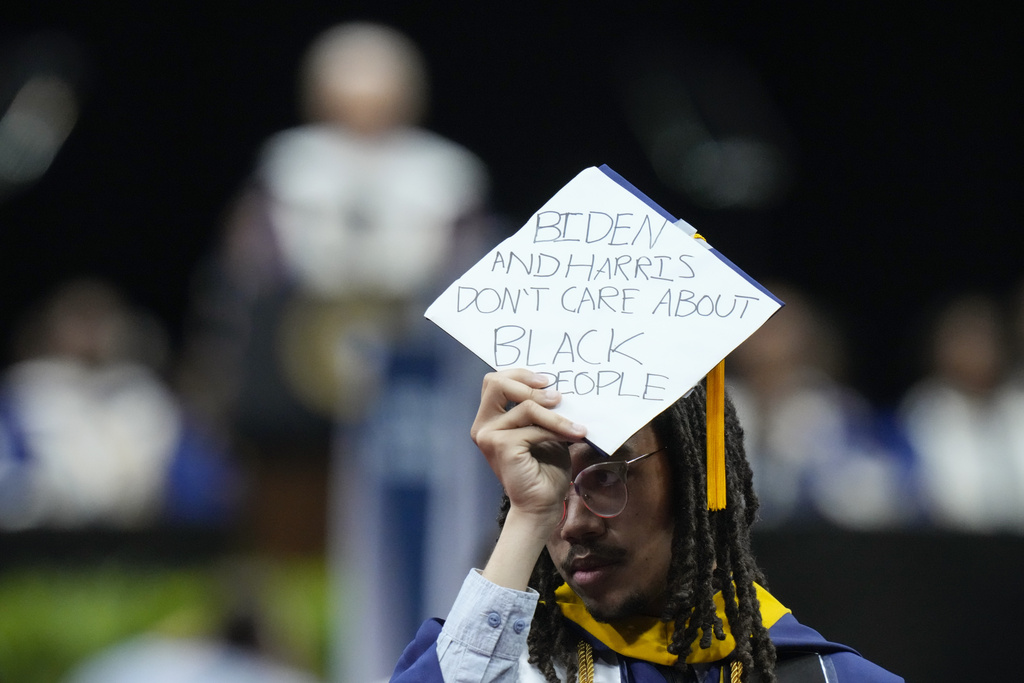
<point x="526" y="444"/>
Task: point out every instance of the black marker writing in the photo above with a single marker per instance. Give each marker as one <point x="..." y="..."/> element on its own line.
<point x="607" y="383"/>
<point x="685" y="303"/>
<point x="624" y="229"/>
<point x="490" y="300"/>
<point x="517" y="344"/>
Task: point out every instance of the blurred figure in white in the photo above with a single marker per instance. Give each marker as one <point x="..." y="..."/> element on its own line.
<point x="965" y="420"/>
<point x="158" y="659"/>
<point x="1017" y="334"/>
<point x="239" y="645"/>
<point x="89" y="433"/>
<point x="352" y="224"/>
<point x="812" y="440"/>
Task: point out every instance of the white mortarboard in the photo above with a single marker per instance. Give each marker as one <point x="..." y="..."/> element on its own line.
<point x="623" y="306"/>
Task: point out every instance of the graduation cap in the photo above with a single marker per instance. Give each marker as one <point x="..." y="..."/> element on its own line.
<point x="624" y="308"/>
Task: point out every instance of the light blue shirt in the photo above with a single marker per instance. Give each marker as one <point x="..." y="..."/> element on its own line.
<point x="484" y="637"/>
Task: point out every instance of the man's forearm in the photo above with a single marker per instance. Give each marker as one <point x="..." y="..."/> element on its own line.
<point x="521" y="541"/>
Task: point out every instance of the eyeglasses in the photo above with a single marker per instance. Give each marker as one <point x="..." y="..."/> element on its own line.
<point x="602" y="487"/>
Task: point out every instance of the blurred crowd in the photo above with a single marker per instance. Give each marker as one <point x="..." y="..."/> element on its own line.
<point x="948" y="455"/>
<point x="312" y="407"/>
<point x="91" y="431"/>
<point x="276" y="417"/>
<point x="95" y="429"/>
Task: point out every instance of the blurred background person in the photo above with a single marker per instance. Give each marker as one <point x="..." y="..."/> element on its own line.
<point x="160" y="659"/>
<point x="1016" y="317"/>
<point x="309" y="338"/>
<point x="237" y="645"/>
<point x="813" y="441"/>
<point x="965" y="420"/>
<point x="91" y="434"/>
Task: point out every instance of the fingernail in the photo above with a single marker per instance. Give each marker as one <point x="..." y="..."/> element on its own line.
<point x="551" y="394"/>
<point x="577" y="429"/>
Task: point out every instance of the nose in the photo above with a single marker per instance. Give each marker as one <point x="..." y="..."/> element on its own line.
<point x="579" y="522"/>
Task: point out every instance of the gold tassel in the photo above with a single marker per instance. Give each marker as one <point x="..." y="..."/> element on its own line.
<point x="737" y="672"/>
<point x="716" y="437"/>
<point x="585" y="662"/>
<point x="716" y="431"/>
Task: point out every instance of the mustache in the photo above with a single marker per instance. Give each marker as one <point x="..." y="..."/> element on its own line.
<point x="602" y="551"/>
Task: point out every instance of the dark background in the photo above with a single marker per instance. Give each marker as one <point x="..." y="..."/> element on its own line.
<point x="901" y="123"/>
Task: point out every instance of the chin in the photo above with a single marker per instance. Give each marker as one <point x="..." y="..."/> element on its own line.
<point x="608" y="611"/>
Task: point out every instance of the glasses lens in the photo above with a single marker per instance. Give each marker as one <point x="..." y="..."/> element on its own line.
<point x="603" y="489"/>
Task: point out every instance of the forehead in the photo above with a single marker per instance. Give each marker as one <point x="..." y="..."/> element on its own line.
<point x="642" y="441"/>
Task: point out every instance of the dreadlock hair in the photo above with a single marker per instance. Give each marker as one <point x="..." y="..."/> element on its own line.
<point x="710" y="552"/>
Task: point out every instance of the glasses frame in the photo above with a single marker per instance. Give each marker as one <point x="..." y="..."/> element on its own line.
<point x="622" y="465"/>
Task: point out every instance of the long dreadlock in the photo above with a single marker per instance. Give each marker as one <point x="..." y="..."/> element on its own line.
<point x="710" y="552"/>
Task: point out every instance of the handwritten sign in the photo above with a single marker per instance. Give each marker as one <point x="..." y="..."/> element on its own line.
<point x="610" y="297"/>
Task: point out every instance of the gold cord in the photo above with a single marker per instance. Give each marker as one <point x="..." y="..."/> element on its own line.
<point x="585" y="659"/>
<point x="585" y="665"/>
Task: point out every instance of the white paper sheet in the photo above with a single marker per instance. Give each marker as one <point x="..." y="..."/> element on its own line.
<point x="603" y="292"/>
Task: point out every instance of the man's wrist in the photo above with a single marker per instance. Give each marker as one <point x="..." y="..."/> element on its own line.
<point x="522" y="539"/>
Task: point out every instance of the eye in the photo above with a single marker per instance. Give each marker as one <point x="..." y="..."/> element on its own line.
<point x="601" y="477"/>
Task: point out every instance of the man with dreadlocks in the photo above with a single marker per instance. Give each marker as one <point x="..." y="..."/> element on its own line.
<point x="627" y="577"/>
